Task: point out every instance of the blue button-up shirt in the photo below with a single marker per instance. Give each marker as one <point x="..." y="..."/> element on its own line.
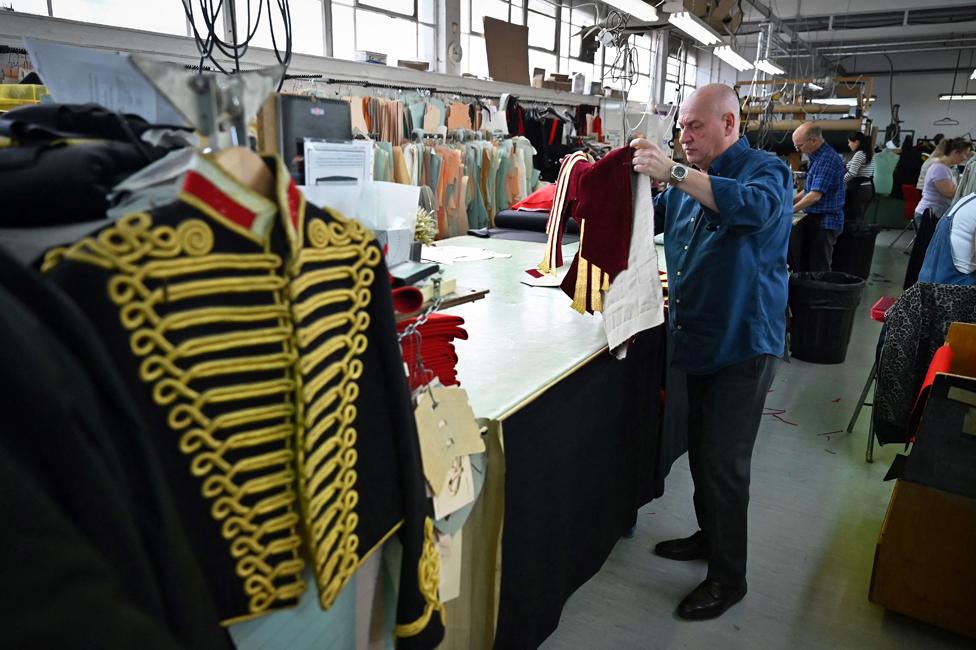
<point x="826" y="175"/>
<point x="727" y="277"/>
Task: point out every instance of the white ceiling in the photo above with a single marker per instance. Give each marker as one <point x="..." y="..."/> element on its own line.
<point x="796" y="8"/>
<point x="803" y="11"/>
<point x="809" y="18"/>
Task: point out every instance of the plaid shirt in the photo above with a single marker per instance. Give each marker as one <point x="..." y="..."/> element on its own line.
<point x="826" y="176"/>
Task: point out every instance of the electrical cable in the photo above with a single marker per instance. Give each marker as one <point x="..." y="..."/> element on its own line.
<point x="209" y="43"/>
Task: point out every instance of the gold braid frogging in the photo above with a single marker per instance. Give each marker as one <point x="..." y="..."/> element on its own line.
<point x="254" y="497"/>
<point x="329" y="373"/>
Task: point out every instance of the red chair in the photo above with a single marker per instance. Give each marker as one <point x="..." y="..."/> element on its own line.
<point x="912" y="196"/>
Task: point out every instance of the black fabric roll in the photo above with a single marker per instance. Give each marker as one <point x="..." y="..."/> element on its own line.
<point x="528" y="220"/>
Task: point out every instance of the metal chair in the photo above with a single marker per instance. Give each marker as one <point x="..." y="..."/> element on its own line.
<point x="878" y="311"/>
<point x="912" y="197"/>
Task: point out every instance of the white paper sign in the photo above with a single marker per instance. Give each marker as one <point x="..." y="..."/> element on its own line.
<point x="81" y="75"/>
<point x="338" y="163"/>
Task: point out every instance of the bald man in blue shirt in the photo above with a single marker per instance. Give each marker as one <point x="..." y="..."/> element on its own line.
<point x="727" y="227"/>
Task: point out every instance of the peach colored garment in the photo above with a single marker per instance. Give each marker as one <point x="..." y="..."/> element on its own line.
<point x="401" y="173"/>
<point x="459" y="117"/>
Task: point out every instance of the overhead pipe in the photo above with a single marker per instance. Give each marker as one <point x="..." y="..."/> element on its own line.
<point x="897" y="43"/>
<point x="841" y="55"/>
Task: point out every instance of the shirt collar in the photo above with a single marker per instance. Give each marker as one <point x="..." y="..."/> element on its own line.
<point x="722" y="165"/>
<point x="821" y="151"/>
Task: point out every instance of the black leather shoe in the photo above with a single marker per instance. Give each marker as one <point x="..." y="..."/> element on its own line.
<point x="688" y="548"/>
<point x="710" y="599"/>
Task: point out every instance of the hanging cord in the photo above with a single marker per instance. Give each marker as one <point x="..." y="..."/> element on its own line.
<point x="625" y="67"/>
<point x="210" y="44"/>
<point x="954" y="76"/>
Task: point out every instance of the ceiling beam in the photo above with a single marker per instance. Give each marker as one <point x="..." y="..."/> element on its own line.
<point x="768" y="14"/>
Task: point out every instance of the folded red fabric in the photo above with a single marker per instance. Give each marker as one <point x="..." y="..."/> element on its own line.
<point x="541" y="199"/>
<point x="407" y="300"/>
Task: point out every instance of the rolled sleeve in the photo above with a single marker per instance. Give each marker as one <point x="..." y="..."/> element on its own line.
<point x="752" y="204"/>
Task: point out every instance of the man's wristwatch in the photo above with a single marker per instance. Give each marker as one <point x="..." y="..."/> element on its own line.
<point x="678" y="173"/>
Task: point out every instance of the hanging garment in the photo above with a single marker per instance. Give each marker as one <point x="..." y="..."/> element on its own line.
<point x="94" y="554"/>
<point x="401" y="173"/>
<point x="357" y="115"/>
<point x="915" y="327"/>
<point x="435" y="115"/>
<point x="449" y="188"/>
<point x="884" y="168"/>
<point x="459" y="116"/>
<point x="609" y="240"/>
<point x="221" y="311"/>
<point x="906" y="171"/>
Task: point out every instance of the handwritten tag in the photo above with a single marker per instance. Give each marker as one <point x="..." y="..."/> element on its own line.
<point x="447" y="429"/>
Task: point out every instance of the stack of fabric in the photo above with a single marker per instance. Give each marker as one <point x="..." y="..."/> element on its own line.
<point x="437" y="352"/>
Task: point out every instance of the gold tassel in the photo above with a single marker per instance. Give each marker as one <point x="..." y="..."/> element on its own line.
<point x="582" y="278"/>
<point x="596" y="299"/>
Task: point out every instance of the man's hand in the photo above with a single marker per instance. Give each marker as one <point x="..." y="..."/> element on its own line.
<point x="648" y="159"/>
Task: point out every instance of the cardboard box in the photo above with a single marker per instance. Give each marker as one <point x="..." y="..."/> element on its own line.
<point x="924" y="562"/>
<point x="423" y="66"/>
<point x="557" y="85"/>
<point x="538" y="77"/>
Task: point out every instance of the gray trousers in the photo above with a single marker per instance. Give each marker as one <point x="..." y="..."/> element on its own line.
<point x="724" y="410"/>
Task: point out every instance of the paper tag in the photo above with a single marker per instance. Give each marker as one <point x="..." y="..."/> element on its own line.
<point x="449" y="547"/>
<point x="446" y="431"/>
<point x="457" y="491"/>
<point x="536" y="278"/>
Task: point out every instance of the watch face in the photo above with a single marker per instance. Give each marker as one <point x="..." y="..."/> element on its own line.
<point x="679" y="172"/>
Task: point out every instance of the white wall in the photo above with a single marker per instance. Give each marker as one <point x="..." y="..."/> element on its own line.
<point x="918" y="97"/>
<point x="918" y="93"/>
<point x="712" y="69"/>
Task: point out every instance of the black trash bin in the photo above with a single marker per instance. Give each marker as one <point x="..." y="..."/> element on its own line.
<point x="854" y="250"/>
<point x="823" y="306"/>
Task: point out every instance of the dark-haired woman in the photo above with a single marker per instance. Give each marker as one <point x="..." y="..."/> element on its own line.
<point x="859" y="179"/>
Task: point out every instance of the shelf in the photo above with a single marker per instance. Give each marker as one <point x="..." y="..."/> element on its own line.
<point x="459" y="296"/>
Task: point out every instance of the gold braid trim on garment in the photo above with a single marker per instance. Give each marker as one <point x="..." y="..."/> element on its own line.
<point x="330" y="293"/>
<point x="429" y="573"/>
<point x="243" y="456"/>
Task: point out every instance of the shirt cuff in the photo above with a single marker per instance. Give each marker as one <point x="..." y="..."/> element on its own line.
<point x="728" y="196"/>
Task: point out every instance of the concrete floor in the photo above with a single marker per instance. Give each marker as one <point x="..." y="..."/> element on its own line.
<point x="816" y="510"/>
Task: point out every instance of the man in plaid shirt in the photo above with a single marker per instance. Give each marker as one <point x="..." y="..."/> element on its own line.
<point x="823" y="199"/>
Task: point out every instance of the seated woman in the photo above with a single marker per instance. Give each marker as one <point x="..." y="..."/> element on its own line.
<point x="940" y="182"/>
<point x="951" y="255"/>
<point x="859" y="179"/>
<point x="936" y="155"/>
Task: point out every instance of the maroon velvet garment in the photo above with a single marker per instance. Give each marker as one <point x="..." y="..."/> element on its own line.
<point x="599" y="197"/>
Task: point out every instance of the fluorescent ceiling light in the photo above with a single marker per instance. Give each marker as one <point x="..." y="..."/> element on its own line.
<point x="635" y="8"/>
<point x="840" y="101"/>
<point x="814" y="86"/>
<point x="957" y="98"/>
<point x="836" y="101"/>
<point x="695" y="27"/>
<point x="733" y="58"/>
<point x="769" y="67"/>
